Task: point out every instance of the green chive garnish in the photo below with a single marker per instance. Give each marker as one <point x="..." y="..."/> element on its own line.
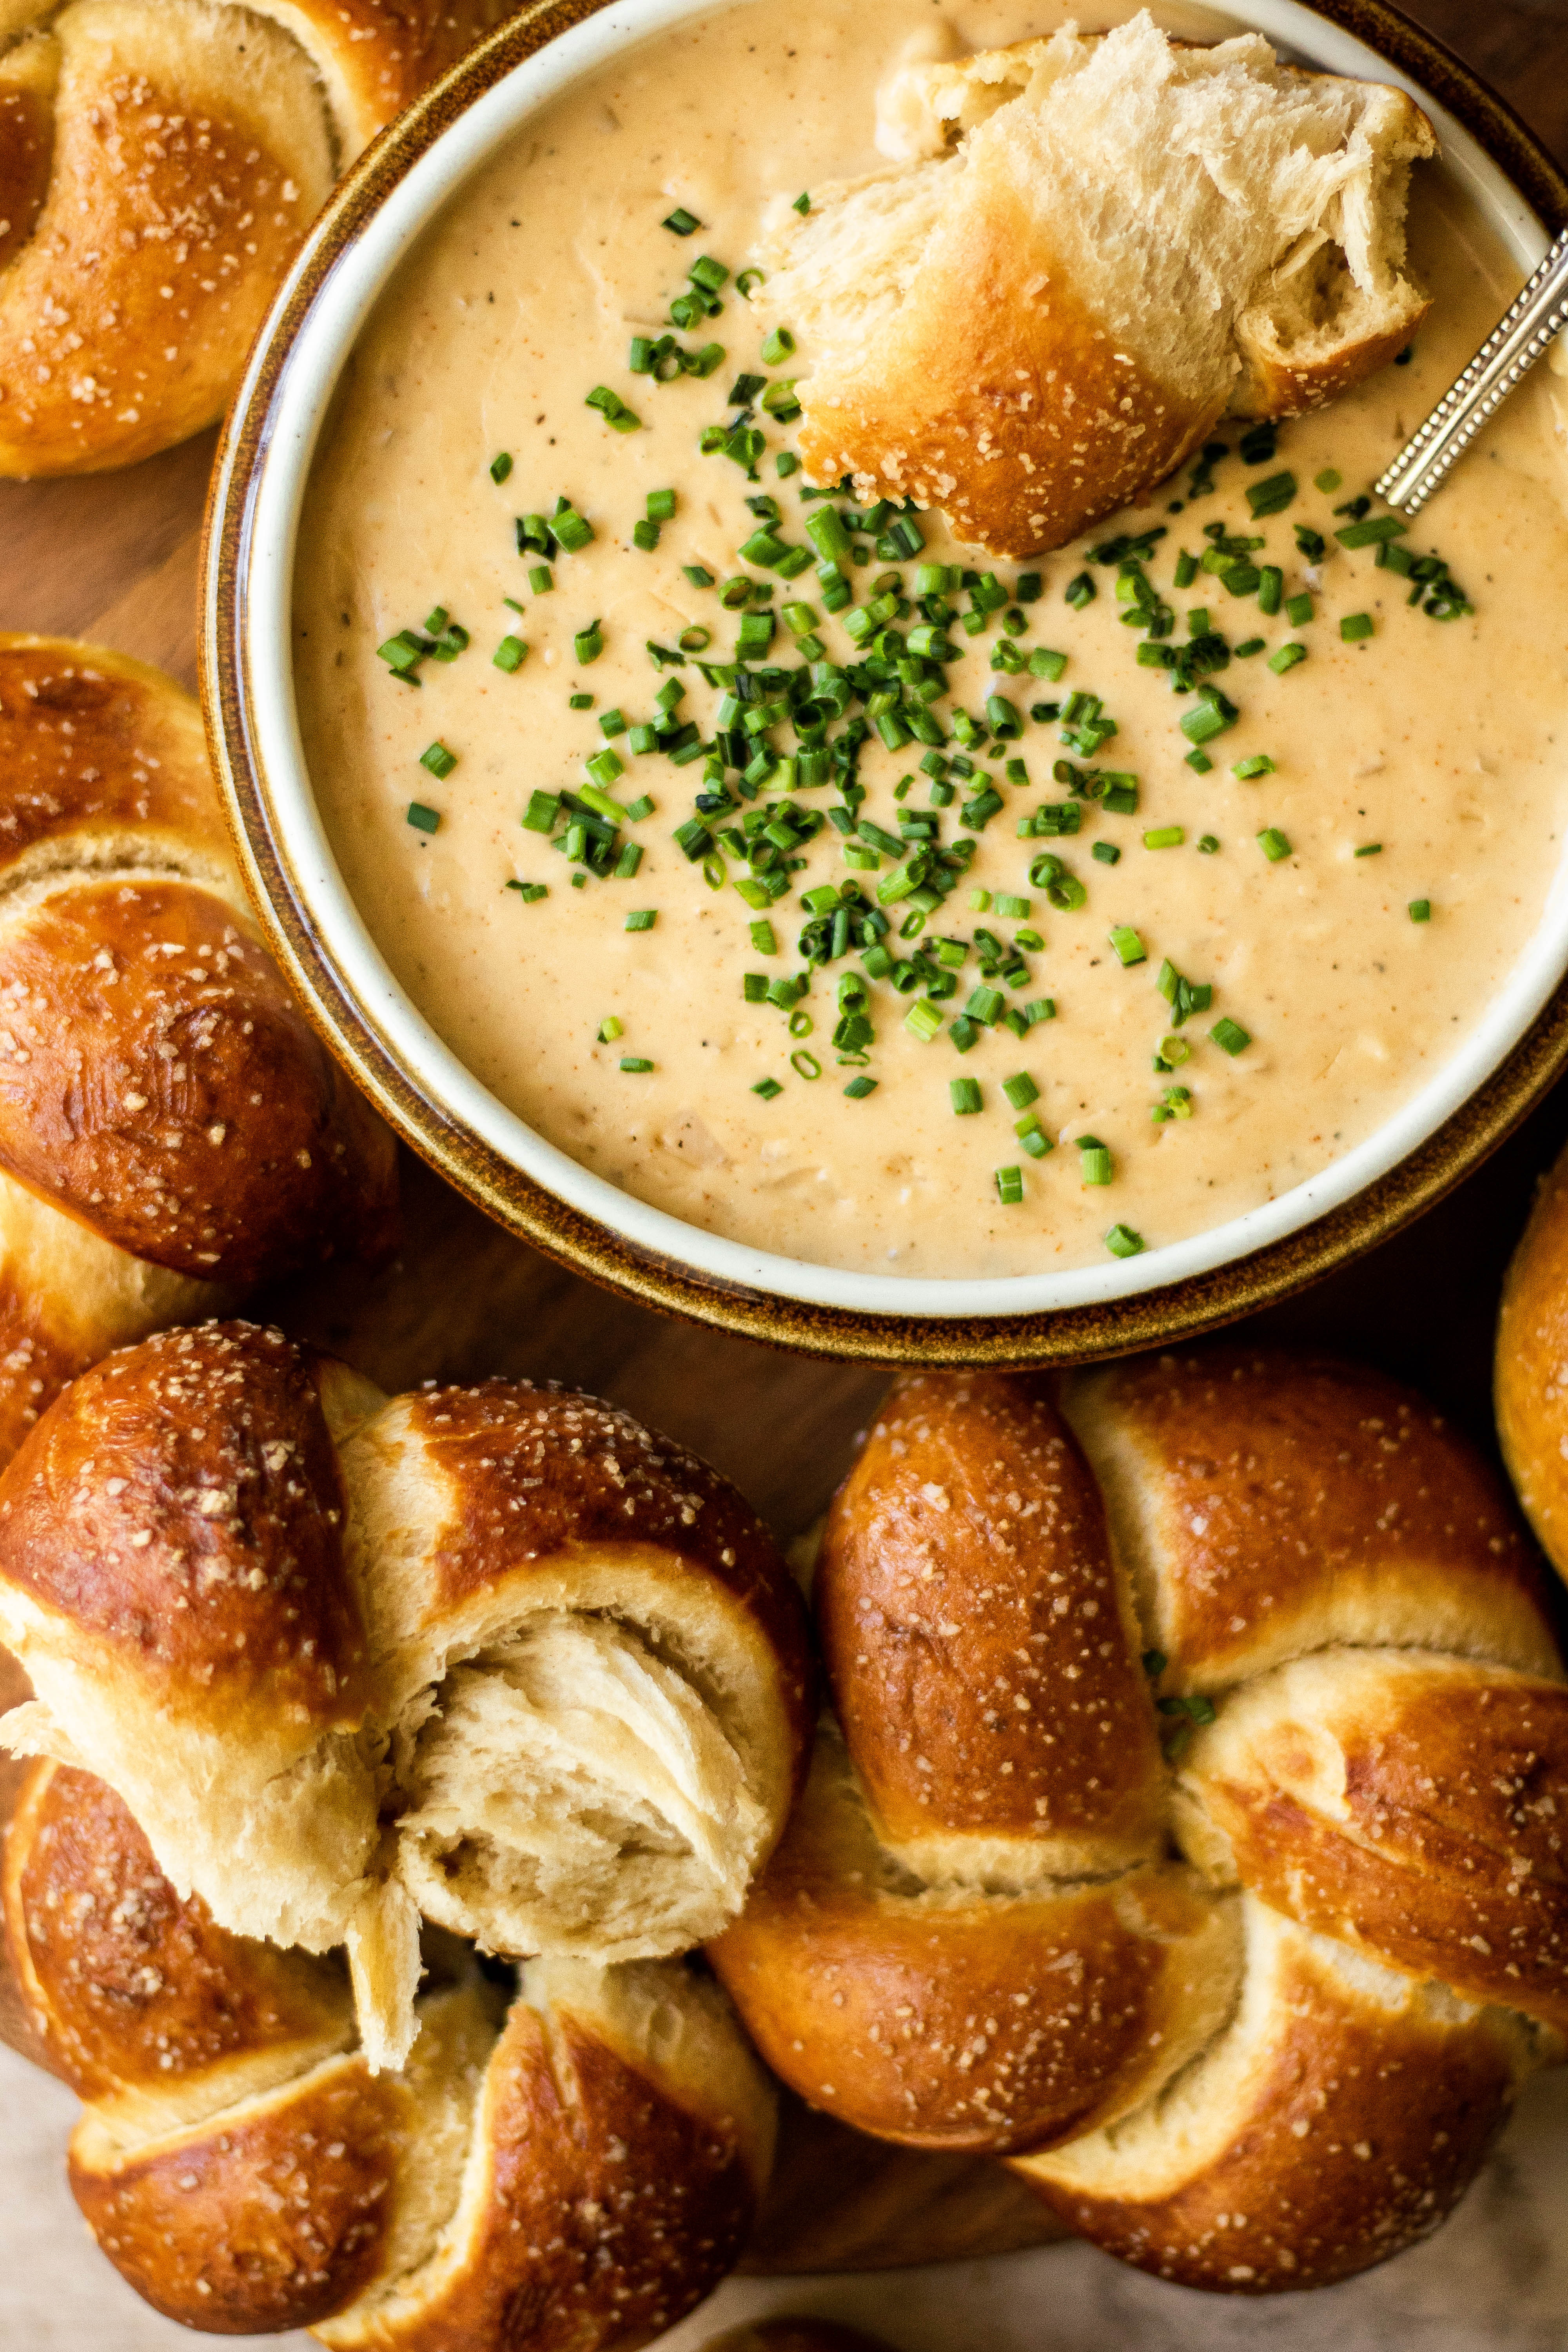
<point x="1287" y="658"/>
<point x="1207" y="844"/>
<point x="1122" y="1241"/>
<point x="1260" y="765"/>
<point x="1273" y="843"/>
<point x="1163" y="837"/>
<point x="1021" y="1090"/>
<point x="1229" y="1036"/>
<point x="540" y="578"/>
<point x="1327" y="480"/>
<point x="609" y="1029"/>
<point x="858" y="1089"/>
<point x="1420" y="910"/>
<point x="438" y="759"/>
<point x="965" y="1095"/>
<point x="767" y="1088"/>
<point x="1298" y="610"/>
<point x="588" y="644"/>
<point x="801" y="204"/>
<point x="510" y="654"/>
<point x="683" y="222"/>
<point x="1354" y="627"/>
<point x="1095" y="1164"/>
<point x="500" y="467"/>
<point x="1272" y="497"/>
<point x="1130" y="949"/>
<point x="635" y="1063"/>
<point x="1370" y="849"/>
<point x="423" y="819"/>
<point x="642" y="920"/>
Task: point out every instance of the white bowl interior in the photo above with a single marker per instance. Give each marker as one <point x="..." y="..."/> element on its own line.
<point x="304" y="391"/>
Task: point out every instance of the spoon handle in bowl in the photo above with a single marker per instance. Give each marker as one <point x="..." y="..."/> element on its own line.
<point x="1521" y="336"/>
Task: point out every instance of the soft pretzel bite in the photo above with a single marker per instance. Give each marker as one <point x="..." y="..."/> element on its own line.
<point x="1192" y="1836"/>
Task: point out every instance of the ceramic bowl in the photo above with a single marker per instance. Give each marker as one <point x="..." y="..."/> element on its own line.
<point x="321" y="939"/>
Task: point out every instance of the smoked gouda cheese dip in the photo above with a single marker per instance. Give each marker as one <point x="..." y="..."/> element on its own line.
<point x="825" y="885"/>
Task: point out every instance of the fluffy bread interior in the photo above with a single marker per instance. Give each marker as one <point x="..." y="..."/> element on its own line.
<point x="573" y="1792"/>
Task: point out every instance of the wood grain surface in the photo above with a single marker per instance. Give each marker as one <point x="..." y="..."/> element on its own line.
<point x="113" y="559"/>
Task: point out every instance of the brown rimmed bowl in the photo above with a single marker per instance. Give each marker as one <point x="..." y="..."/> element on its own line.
<point x="527" y="1185"/>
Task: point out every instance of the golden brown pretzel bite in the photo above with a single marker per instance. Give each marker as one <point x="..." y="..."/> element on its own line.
<point x="1191" y="1835"/>
<point x="160" y="162"/>
<point x="497" y="1655"/>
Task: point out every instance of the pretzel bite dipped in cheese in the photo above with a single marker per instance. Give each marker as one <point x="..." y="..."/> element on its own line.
<point x="1095" y="247"/>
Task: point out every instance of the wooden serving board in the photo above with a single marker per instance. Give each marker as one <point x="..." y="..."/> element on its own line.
<point x="114" y="559"/>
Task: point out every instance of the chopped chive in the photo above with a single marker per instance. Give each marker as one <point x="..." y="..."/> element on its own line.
<point x="1272" y="497"/>
<point x="629" y="861"/>
<point x="423" y="819"/>
<point x="579" y="702"/>
<point x="588" y="644"/>
<point x="924" y="1020"/>
<point x="683" y="222"/>
<point x="642" y="920"/>
<point x="778" y="346"/>
<point x="528" y="891"/>
<point x="1130" y="949"/>
<point x="1207" y="844"/>
<point x="1327" y="480"/>
<point x="1377" y="530"/>
<point x="1370" y="849"/>
<point x="1287" y="658"/>
<point x="1260" y="765"/>
<point x="1032" y="1136"/>
<point x="540" y="578"/>
<point x="1354" y="627"/>
<point x="765" y="939"/>
<point x="645" y="535"/>
<point x="609" y="1029"/>
<point x="1200" y="763"/>
<point x="1122" y="1241"/>
<point x="613" y="409"/>
<point x="1273" y="843"/>
<point x="1270" y="588"/>
<point x="805" y="1064"/>
<point x="1420" y="910"/>
<point x="1186" y="569"/>
<point x="1010" y="1186"/>
<point x="965" y="1095"/>
<point x="1229" y="1036"/>
<point x="1043" y="663"/>
<point x="501" y="466"/>
<point x="767" y="1088"/>
<point x="1249" y="647"/>
<point x="801" y="204"/>
<point x="1095" y="1163"/>
<point x="1080" y="592"/>
<point x="510" y="654"/>
<point x="1106" y="853"/>
<point x="1298" y="610"/>
<point x="640" y="808"/>
<point x="1021" y="1090"/>
<point x="858" y="1089"/>
<point x="1165" y="836"/>
<point x="1042" y="1008"/>
<point x="438" y="759"/>
<point x="980" y="901"/>
<point x="636" y="1062"/>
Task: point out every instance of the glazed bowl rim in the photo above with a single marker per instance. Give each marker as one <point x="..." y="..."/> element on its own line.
<point x="340" y="275"/>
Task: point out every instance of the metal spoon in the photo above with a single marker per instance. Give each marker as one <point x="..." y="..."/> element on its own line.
<point x="1524" y="331"/>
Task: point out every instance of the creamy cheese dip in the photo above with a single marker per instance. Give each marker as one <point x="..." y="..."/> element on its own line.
<point x="1422" y="763"/>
